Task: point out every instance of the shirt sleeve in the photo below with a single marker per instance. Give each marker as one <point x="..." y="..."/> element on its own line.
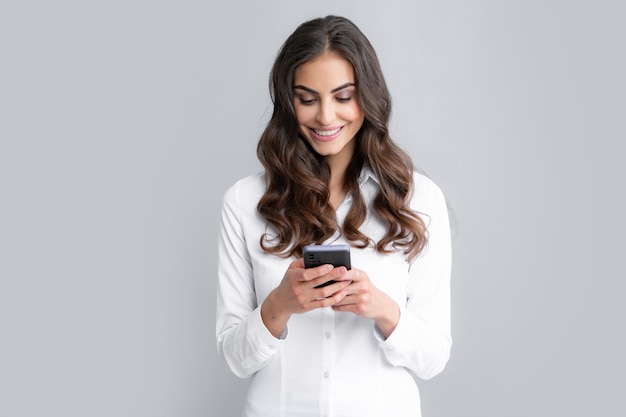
<point x="242" y="339"/>
<point x="422" y="339"/>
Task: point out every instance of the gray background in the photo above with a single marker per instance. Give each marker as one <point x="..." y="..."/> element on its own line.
<point x="123" y="122"/>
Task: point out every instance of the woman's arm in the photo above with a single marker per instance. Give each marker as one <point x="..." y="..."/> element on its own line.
<point x="422" y="338"/>
<point x="249" y="335"/>
<point x="242" y="339"/>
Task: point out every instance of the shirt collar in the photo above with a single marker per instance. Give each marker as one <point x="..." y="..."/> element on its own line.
<point x="366" y="174"/>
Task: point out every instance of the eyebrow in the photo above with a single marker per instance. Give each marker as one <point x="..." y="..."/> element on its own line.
<point x="334" y="90"/>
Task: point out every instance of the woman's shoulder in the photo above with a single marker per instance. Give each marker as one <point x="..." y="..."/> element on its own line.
<point x="426" y="190"/>
<point x="423" y="183"/>
<point x="251" y="182"/>
<point x="250" y="187"/>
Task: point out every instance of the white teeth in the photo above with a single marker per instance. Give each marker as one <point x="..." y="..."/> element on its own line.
<point x="326" y="132"/>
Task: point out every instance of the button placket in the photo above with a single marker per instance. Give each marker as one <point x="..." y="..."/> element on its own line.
<point x="328" y="359"/>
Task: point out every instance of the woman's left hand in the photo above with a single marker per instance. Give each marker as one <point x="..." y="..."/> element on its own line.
<point x="366" y="300"/>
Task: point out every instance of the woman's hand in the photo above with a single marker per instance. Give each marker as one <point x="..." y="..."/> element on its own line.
<point x="365" y="300"/>
<point x="297" y="293"/>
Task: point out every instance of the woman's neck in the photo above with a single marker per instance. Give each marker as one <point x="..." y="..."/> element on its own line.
<point x="338" y="165"/>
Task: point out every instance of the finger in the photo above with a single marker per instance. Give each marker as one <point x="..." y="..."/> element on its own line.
<point x="298" y="263"/>
<point x="352" y="304"/>
<point x="331" y="289"/>
<point x="312" y="274"/>
<point x="332" y="299"/>
<point x="356" y="275"/>
<point x="355" y="298"/>
<point x="324" y="273"/>
<point x="348" y="300"/>
<point x="336" y="275"/>
<point x="345" y="308"/>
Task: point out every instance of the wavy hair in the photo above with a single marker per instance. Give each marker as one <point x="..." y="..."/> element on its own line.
<point x="296" y="201"/>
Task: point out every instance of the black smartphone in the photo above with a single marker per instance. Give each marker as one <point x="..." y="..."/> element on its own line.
<point x="316" y="255"/>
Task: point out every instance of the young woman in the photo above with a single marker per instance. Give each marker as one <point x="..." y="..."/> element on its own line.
<point x="332" y="175"/>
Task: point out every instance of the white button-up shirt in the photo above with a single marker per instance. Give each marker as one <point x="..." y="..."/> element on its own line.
<point x="329" y="363"/>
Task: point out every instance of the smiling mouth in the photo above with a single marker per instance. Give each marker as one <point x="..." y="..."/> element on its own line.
<point x="327" y="132"/>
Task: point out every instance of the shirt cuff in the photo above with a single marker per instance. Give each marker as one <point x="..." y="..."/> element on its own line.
<point x="261" y="337"/>
<point x="261" y="344"/>
<point x="401" y="335"/>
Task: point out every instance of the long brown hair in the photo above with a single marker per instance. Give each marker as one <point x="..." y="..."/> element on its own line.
<point x="296" y="201"/>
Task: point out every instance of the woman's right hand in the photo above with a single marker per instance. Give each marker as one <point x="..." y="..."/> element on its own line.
<point x="297" y="293"/>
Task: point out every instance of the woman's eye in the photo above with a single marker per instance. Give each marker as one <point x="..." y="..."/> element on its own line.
<point x="344" y="99"/>
<point x="307" y="101"/>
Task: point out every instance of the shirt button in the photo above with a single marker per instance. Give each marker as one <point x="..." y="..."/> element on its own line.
<point x="272" y="347"/>
<point x="327" y="335"/>
<point x="325" y="374"/>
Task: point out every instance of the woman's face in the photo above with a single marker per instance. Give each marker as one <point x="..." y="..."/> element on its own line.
<point x="326" y="106"/>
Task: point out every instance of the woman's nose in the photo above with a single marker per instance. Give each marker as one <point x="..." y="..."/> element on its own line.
<point x="325" y="113"/>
